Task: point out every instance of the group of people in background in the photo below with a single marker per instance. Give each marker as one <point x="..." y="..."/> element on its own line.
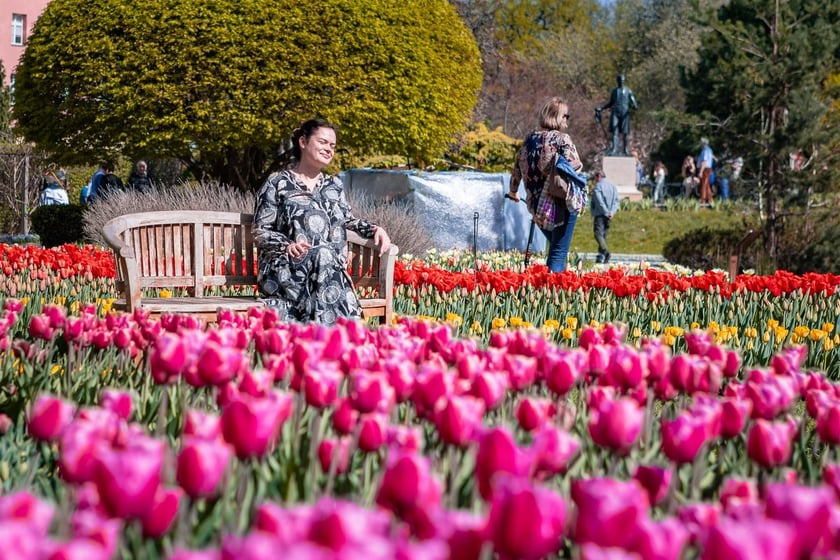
<point x="54" y="188"/>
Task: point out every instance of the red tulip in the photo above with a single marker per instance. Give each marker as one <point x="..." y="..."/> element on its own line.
<point x="606" y="503"/>
<point x="49" y="417"/>
<point x="746" y="540"/>
<point x="163" y="512"/>
<point x="252" y="425"/>
<point x="616" y="424"/>
<point x="525" y="521"/>
<point x="201" y="465"/>
<point x="458" y="419"/>
<point x="655" y="480"/>
<point x="683" y="437"/>
<point x="770" y="444"/>
<point x="128" y="479"/>
<point x="497" y="453"/>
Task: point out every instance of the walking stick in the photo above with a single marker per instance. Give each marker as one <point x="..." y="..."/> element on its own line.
<point x="604" y="130"/>
<point x="530" y="236"/>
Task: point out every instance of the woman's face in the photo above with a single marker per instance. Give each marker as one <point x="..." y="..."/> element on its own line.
<point x="319" y="148"/>
<point x="564" y="117"/>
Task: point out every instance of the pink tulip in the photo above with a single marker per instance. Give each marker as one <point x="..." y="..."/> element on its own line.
<point x="698" y="342"/>
<point x="735" y="491"/>
<point x="79" y="449"/>
<point x="591" y="551"/>
<point x="464" y="533"/>
<point x="807" y="510"/>
<point x="20" y="540"/>
<point x="458" y="419"/>
<point x="606" y="503"/>
<point x="98" y="527"/>
<point x="698" y="519"/>
<point x="790" y="360"/>
<point x="252" y="425"/>
<point x="405" y="438"/>
<point x="183" y="554"/>
<point x="119" y="402"/>
<point x="828" y="425"/>
<point x="40" y="327"/>
<point x="49" y="417"/>
<point x="490" y="387"/>
<point x="334" y="451"/>
<point x="497" y="453"/>
<point x="432" y="383"/>
<point x="160" y="518"/>
<point x="588" y="338"/>
<point x="201" y="465"/>
<point x="128" y="479"/>
<point x="598" y="358"/>
<point x="73" y="329"/>
<point x="626" y="368"/>
<point x="168" y="358"/>
<point x="660" y="540"/>
<point x="734" y="415"/>
<point x="370" y="391"/>
<point x="746" y="540"/>
<point x="771" y="397"/>
<point x="552" y="451"/>
<point x="256" y="382"/>
<point x="218" y="364"/>
<point x="562" y="369"/>
<point x="320" y="384"/>
<point x="76" y="549"/>
<point x="400" y="375"/>
<point x="731" y="364"/>
<point x="770" y="444"/>
<point x="616" y="424"/>
<point x="24" y="507"/>
<point x="521" y="370"/>
<point x="683" y="437"/>
<point x="372" y="431"/>
<point x="532" y="413"/>
<point x="407" y="483"/>
<point x="831" y="477"/>
<point x="655" y="480"/>
<point x="344" y="417"/>
<point x="525" y="521"/>
<point x="202" y="425"/>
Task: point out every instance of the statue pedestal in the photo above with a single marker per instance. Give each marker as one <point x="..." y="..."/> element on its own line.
<point x="621" y="172"/>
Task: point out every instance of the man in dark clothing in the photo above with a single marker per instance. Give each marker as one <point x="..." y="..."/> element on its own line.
<point x="139" y="179"/>
<point x="109" y="183"/>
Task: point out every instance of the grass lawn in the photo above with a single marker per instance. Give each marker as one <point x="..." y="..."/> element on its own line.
<point x="641" y="228"/>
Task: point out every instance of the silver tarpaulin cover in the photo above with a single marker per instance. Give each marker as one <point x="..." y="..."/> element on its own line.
<point x="446" y="202"/>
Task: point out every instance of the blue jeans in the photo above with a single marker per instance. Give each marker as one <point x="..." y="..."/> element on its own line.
<point x="559" y="239"/>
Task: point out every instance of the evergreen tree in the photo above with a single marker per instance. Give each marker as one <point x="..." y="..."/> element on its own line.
<point x="762" y="88"/>
<point x="5" y="106"/>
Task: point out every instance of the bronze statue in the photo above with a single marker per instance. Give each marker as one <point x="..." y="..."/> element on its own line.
<point x="621" y="102"/>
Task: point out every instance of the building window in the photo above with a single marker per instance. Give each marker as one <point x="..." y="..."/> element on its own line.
<point x="18" y="29"/>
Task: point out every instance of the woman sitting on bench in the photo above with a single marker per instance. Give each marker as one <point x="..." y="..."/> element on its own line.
<point x="299" y="231"/>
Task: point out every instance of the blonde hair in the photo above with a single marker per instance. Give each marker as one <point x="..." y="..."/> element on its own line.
<point x="551" y="115"/>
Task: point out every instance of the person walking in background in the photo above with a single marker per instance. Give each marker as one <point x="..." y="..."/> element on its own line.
<point x="604" y="206"/>
<point x="300" y="224"/>
<point x="93" y="188"/>
<point x="543" y="148"/>
<point x="109" y="183"/>
<point x="139" y="180"/>
<point x="705" y="165"/>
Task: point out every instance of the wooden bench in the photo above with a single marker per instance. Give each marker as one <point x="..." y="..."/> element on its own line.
<point x="191" y="255"/>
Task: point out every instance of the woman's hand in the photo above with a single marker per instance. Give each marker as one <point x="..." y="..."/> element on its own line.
<point x="380" y="237"/>
<point x="297" y="250"/>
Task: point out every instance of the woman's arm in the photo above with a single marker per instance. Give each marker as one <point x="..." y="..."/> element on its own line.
<point x="267" y="236"/>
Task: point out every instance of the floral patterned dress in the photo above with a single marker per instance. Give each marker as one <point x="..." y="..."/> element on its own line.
<point x="533" y="164"/>
<point x="316" y="286"/>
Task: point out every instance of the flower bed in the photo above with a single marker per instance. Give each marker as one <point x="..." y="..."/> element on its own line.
<point x="127" y="437"/>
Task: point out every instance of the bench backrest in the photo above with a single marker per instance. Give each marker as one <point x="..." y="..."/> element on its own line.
<point x="195" y="250"/>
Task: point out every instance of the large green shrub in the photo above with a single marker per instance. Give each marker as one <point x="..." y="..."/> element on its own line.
<point x="58" y="224"/>
<point x="707" y="248"/>
<point x="484" y="149"/>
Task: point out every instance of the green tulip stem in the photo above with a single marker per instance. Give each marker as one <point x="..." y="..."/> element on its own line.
<point x="315" y="431"/>
<point x="163" y="410"/>
<point x="452" y="465"/>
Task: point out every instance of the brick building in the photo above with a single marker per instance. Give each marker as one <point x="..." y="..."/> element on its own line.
<point x="17" y="18"/>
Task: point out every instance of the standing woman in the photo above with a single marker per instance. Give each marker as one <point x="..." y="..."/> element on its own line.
<point x="555" y="217"/>
<point x="299" y="231"/>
